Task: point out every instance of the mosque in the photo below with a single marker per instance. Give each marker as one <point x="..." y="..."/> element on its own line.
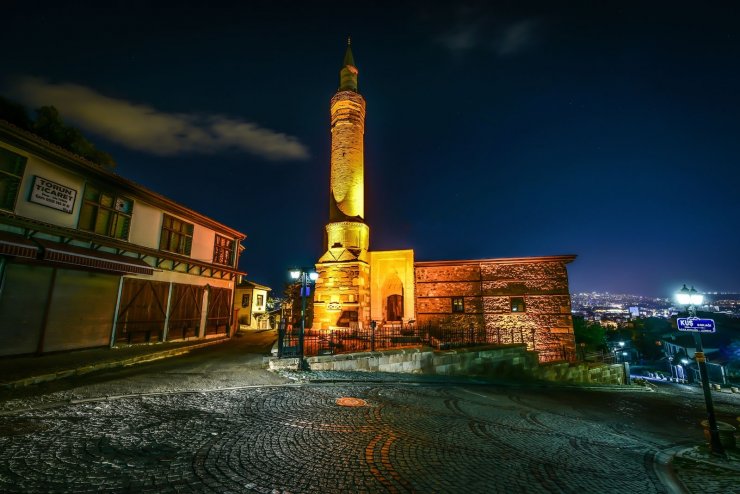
<point x="506" y="300"/>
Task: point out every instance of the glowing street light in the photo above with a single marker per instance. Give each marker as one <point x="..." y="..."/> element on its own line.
<point x="690" y="298"/>
<point x="307" y="277"/>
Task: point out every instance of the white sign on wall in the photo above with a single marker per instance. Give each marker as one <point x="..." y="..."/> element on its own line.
<point x="52" y="194"/>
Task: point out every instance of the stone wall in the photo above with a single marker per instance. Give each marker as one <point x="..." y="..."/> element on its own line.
<point x="513" y="361"/>
<point x="487" y="287"/>
<point x="341" y="288"/>
<point x="347" y="184"/>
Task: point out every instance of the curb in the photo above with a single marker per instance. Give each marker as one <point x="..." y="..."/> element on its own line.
<point x="664" y="471"/>
<point x="86" y="369"/>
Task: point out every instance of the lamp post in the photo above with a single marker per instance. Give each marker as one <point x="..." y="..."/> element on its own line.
<point x="690" y="298"/>
<point x="307" y="277"/>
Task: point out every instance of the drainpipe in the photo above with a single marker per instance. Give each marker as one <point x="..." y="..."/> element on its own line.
<point x="166" y="329"/>
<point x="115" y="314"/>
<point x="47" y="307"/>
<point x="2" y="274"/>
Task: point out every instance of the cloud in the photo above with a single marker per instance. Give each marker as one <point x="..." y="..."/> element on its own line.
<point x="504" y="39"/>
<point x="516" y="37"/>
<point x="146" y="129"/>
<point x="461" y="38"/>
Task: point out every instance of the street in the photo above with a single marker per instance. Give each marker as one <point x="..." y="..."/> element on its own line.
<point x="214" y="421"/>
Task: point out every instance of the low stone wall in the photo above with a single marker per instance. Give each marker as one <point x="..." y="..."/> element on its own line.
<point x="512" y="361"/>
<point x="582" y="373"/>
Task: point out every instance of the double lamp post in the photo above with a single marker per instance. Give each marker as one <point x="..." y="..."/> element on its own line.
<point x="307" y="277"/>
<point x="690" y="298"/>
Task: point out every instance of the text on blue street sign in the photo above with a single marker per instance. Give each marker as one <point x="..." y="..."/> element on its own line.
<point x="696" y="324"/>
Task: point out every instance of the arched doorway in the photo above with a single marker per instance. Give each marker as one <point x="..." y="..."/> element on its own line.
<point x="392" y="296"/>
<point x="394" y="308"/>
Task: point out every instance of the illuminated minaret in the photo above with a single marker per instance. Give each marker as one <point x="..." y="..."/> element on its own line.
<point x="342" y="290"/>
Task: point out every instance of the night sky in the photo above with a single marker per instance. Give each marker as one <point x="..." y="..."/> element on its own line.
<point x="609" y="130"/>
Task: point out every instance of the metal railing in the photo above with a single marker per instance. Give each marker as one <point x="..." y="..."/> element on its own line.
<point x="391" y="336"/>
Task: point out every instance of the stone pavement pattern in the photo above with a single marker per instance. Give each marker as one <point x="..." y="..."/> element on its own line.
<point x="701" y="476"/>
<point x="425" y="438"/>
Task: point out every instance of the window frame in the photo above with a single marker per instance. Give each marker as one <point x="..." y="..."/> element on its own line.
<point x="515" y="307"/>
<point x="116" y="213"/>
<point x="185" y="232"/>
<point x="458" y="308"/>
<point x="223" y="245"/>
<point x="245" y="300"/>
<point x="260" y="300"/>
<point x="13" y="176"/>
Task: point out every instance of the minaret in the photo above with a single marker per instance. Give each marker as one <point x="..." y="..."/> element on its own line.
<point x="342" y="290"/>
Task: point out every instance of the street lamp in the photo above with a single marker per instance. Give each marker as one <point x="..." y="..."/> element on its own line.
<point x="307" y="276"/>
<point x="690" y="298"/>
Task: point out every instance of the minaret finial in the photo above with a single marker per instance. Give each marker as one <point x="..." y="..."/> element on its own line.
<point x="348" y="73"/>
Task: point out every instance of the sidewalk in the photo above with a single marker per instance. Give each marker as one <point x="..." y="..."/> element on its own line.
<point x="17" y="372"/>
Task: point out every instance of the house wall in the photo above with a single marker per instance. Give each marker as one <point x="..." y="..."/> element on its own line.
<point x="54" y="304"/>
<point x="146" y="225"/>
<point x="38" y="166"/>
<point x="249" y="316"/>
<point x="146" y="221"/>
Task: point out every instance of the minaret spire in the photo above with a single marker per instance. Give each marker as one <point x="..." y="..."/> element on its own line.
<point x="348" y="72"/>
<point x="343" y="288"/>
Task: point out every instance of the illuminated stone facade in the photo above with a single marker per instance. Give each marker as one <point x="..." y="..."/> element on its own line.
<point x="500" y="300"/>
<point x="342" y="294"/>
<point x="518" y="300"/>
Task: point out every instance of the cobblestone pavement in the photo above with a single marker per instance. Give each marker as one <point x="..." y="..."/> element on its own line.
<point x="698" y="475"/>
<point x="407" y="437"/>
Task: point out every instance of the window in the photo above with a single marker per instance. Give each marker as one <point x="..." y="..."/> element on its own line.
<point x="260" y="300"/>
<point x="105" y="213"/>
<point x="223" y="250"/>
<point x="457" y="304"/>
<point x="11" y="173"/>
<point x="177" y="236"/>
<point x="245" y="300"/>
<point x="517" y="304"/>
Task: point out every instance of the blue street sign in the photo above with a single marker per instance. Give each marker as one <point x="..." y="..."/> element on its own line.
<point x="696" y="325"/>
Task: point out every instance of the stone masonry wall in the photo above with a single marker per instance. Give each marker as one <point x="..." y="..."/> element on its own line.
<point x="499" y="362"/>
<point x="347" y="155"/>
<point x="487" y="288"/>
<point x="341" y="287"/>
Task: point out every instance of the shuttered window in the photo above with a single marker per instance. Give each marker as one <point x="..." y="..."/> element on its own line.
<point x="105" y="213"/>
<point x="11" y="172"/>
<point x="177" y="236"/>
<point x="223" y="251"/>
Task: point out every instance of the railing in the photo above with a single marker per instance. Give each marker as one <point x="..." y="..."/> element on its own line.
<point x="390" y="336"/>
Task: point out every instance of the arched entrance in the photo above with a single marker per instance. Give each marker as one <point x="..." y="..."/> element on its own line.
<point x="392" y="296"/>
<point x="394" y="308"/>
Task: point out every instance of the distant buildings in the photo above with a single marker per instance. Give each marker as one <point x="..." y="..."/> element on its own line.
<point x="613" y="310"/>
<point x="617" y="309"/>
<point x="88" y="258"/>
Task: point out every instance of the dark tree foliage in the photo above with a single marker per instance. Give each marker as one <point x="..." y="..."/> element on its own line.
<point x="50" y="126"/>
<point x="15" y="113"/>
<point x="292" y="302"/>
<point x="593" y="335"/>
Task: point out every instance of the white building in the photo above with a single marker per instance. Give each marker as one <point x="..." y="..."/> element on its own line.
<point x="88" y="258"/>
<point x="251" y="305"/>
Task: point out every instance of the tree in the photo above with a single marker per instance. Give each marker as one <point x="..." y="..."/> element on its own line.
<point x="15" y="113"/>
<point x="50" y="126"/>
<point x="592" y="335"/>
<point x="292" y="302"/>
